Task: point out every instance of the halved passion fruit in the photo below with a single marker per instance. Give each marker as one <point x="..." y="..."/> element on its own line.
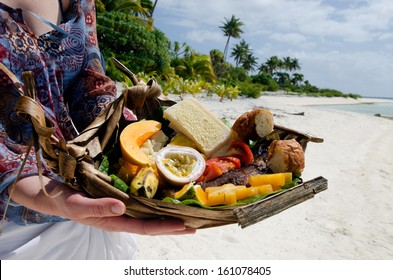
<point x="180" y="165"/>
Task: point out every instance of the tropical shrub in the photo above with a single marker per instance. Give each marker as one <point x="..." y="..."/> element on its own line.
<point x="266" y="80"/>
<point x="250" y="89"/>
<point x="139" y="49"/>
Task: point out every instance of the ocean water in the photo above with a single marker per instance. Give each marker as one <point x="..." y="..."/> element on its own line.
<point x="384" y="109"/>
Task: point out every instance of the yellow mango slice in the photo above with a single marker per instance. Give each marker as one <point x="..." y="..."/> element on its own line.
<point x="277" y="180"/>
<point x="288" y="177"/>
<point x="265" y="189"/>
<point x="221" y="198"/>
<point x="242" y="193"/>
<point x="223" y="188"/>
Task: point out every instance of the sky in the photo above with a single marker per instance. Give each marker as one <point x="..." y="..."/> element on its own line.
<point x="345" y="45"/>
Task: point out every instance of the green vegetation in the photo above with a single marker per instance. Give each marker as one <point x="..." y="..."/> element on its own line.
<point x="126" y="31"/>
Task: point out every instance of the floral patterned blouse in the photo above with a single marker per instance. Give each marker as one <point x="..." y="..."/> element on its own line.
<point x="71" y="87"/>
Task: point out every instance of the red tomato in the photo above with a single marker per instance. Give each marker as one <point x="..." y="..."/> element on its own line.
<point x="242" y="151"/>
<point x="215" y="167"/>
<point x="212" y="172"/>
<point x="225" y="163"/>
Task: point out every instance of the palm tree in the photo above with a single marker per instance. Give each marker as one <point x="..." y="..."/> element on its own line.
<point x="263" y="69"/>
<point x="216" y="56"/>
<point x="240" y="51"/>
<point x="295" y="64"/>
<point x="181" y="50"/>
<point x="273" y="64"/>
<point x="291" y="64"/>
<point x="297" y="78"/>
<point x="249" y="62"/>
<point x="195" y="66"/>
<point x="231" y="29"/>
<point x="142" y="10"/>
<point x="153" y="8"/>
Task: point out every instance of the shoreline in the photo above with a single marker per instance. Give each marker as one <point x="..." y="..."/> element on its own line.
<point x="350" y="220"/>
<point x="335" y="101"/>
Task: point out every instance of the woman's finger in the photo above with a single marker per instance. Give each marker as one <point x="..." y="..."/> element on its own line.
<point x="83" y="207"/>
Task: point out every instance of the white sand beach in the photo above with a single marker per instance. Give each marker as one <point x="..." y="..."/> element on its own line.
<point x="352" y="219"/>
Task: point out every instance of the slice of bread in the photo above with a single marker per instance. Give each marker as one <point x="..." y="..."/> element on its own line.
<point x="191" y="118"/>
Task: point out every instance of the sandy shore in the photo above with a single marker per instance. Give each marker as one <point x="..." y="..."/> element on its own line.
<point x="353" y="219"/>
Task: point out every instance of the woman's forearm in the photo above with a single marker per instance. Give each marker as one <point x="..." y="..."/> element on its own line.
<point x="29" y="193"/>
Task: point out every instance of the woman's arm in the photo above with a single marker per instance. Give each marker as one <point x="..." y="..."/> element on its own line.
<point x="103" y="213"/>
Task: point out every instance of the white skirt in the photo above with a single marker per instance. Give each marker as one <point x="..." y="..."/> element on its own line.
<point x="64" y="241"/>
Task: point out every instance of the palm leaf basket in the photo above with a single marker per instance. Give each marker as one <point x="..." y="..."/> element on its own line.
<point x="77" y="161"/>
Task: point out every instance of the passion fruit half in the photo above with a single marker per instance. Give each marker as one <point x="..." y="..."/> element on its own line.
<point x="180" y="165"/>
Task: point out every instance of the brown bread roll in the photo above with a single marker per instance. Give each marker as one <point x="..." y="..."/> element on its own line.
<point x="254" y="124"/>
<point x="285" y="156"/>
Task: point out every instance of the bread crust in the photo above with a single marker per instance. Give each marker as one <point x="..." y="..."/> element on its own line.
<point x="254" y="124"/>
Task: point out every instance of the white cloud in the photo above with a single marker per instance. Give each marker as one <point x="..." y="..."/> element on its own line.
<point x="200" y="36"/>
<point x="290" y="38"/>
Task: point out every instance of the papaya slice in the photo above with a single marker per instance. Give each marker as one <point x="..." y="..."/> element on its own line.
<point x="133" y="136"/>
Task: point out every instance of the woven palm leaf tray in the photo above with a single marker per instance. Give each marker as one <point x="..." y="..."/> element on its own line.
<point x="77" y="161"/>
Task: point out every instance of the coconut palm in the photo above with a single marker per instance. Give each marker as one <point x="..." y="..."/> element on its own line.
<point x="195" y="66"/>
<point x="216" y="56"/>
<point x="297" y="78"/>
<point x="179" y="50"/>
<point x="232" y="29"/>
<point x="240" y="51"/>
<point x="142" y="10"/>
<point x="263" y="69"/>
<point x="249" y="62"/>
<point x="290" y="64"/>
<point x="273" y="64"/>
<point x="153" y="8"/>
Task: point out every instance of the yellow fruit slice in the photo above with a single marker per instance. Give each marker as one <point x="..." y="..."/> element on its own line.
<point x="277" y="180"/>
<point x="288" y="177"/>
<point x="227" y="187"/>
<point x="243" y="193"/>
<point x="222" y="195"/>
<point x="181" y="140"/>
<point x="145" y="183"/>
<point x="265" y="189"/>
<point x="191" y="191"/>
<point x="133" y="136"/>
<point x="221" y="198"/>
<point x="127" y="171"/>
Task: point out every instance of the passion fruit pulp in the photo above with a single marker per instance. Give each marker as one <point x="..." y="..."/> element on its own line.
<point x="180" y="165"/>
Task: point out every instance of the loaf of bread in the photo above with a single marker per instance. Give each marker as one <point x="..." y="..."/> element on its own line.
<point x="254" y="124"/>
<point x="285" y="156"/>
<point x="192" y="119"/>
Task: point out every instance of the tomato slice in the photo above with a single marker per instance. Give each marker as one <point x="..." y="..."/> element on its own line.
<point x="242" y="151"/>
<point x="225" y="163"/>
<point x="212" y="171"/>
<point x="215" y="167"/>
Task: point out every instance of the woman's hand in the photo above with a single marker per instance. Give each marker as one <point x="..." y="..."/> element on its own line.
<point x="103" y="213"/>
